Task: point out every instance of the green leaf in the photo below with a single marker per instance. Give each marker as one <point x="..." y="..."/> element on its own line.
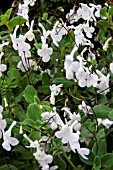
<point x="100" y="134"/>
<point x="97" y="163"/>
<point x="18" y="20"/>
<point x="29" y="122"/>
<point x="62" y="80"/>
<point x="110" y="11"/>
<point x="4" y="19"/>
<point x="20" y="114"/>
<point x="8" y="167"/>
<point x="100" y="148"/>
<point x="23" y="153"/>
<point x="35" y="136"/>
<point x="44" y="90"/>
<point x="34" y="112"/>
<point x="8" y="12"/>
<point x="102" y="111"/>
<point x="45" y="16"/>
<point x="107" y="160"/>
<point x="60" y="162"/>
<point x="29" y="94"/>
<point x="103" y="12"/>
<point x="111" y="114"/>
<point x="103" y="25"/>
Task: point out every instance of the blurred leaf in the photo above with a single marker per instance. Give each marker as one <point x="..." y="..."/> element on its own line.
<point x="34" y="112"/>
<point x="62" y="80"/>
<point x="8" y="167"/>
<point x="101" y="111"/>
<point x="18" y="20"/>
<point x="60" y="162"/>
<point x="107" y="160"/>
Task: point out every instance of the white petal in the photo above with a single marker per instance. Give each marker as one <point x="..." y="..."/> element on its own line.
<point x="6" y="145"/>
<point x="13" y="141"/>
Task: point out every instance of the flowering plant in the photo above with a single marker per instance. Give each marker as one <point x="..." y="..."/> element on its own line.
<point x="56" y="78"/>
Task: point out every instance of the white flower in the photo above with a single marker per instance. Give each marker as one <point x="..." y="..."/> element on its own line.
<point x="103" y="86"/>
<point x="45" y="52"/>
<point x="25" y="64"/>
<point x="106" y="122"/>
<point x="81" y="76"/>
<point x="84" y="12"/>
<point x="8" y="140"/>
<point x="29" y="35"/>
<point x="83" y="152"/>
<point x="111" y="67"/>
<point x="71" y="16"/>
<point x="23" y="10"/>
<point x="2" y="122"/>
<point x="43" y="159"/>
<point x="57" y="32"/>
<point x="88" y="30"/>
<point x="106" y="45"/>
<point x="55" y="90"/>
<point x="68" y="136"/>
<point x="52" y="118"/>
<point x="84" y="107"/>
<point x="34" y="144"/>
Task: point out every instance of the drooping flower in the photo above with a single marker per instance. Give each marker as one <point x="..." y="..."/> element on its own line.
<point x="55" y="90"/>
<point x="8" y="140"/>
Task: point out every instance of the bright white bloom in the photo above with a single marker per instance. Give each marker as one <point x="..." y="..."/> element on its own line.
<point x="74" y="118"/>
<point x="23" y="10"/>
<point x="2" y="45"/>
<point x="57" y="32"/>
<point x="84" y="12"/>
<point x="55" y="90"/>
<point x="81" y="76"/>
<point x="8" y="140"/>
<point x="25" y="64"/>
<point x="43" y="159"/>
<point x="34" y="144"/>
<point x="106" y="45"/>
<point x="111" y="67"/>
<point x="30" y="2"/>
<point x="52" y="118"/>
<point x="70" y="66"/>
<point x="2" y="122"/>
<point x="84" y="108"/>
<point x="71" y="16"/>
<point x="103" y="86"/>
<point x="83" y="152"/>
<point x="29" y="35"/>
<point x="106" y="122"/>
<point x="45" y="52"/>
<point x="88" y="30"/>
<point x="68" y="136"/>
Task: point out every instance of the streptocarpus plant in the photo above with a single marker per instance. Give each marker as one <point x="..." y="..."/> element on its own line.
<point x="56" y="89"/>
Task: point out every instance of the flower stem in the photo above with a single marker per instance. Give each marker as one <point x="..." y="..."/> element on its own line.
<point x="67" y="158"/>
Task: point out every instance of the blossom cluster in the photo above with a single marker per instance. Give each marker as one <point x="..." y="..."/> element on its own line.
<point x="59" y="128"/>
